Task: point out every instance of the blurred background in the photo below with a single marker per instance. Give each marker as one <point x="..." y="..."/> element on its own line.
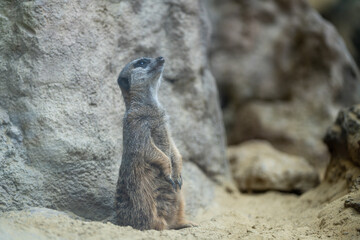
<point x="344" y="15"/>
<point x="251" y="88"/>
<point x="283" y="70"/>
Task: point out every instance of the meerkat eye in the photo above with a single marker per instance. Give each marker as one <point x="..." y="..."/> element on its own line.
<point x="141" y="63"/>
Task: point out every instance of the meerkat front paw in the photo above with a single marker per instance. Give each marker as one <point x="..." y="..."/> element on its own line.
<point x="170" y="180"/>
<point x="179" y="181"/>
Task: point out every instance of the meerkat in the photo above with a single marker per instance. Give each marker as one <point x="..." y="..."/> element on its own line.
<point x="148" y="192"/>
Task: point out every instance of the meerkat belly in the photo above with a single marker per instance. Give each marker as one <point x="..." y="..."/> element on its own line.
<point x="166" y="198"/>
<point x="161" y="139"/>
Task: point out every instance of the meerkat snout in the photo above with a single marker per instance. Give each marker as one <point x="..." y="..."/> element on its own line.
<point x="160" y="59"/>
<point x="157" y="65"/>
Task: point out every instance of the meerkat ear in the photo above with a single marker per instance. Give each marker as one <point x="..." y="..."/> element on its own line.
<point x="124" y="83"/>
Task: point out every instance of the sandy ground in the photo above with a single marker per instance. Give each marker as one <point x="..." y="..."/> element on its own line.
<point x="232" y="216"/>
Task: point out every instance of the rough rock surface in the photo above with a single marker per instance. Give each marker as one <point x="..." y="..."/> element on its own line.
<point x="281" y="61"/>
<point x="343" y="141"/>
<point x="257" y="166"/>
<point x="62" y="108"/>
<point x="20" y="184"/>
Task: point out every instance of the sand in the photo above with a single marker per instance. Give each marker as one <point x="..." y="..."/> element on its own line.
<point x="318" y="214"/>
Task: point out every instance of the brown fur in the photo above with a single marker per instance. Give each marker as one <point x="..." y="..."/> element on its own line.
<point x="148" y="193"/>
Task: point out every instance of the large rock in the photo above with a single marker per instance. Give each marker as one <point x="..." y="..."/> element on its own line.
<point x="343" y="141"/>
<point x="20" y="184"/>
<point x="340" y="189"/>
<point x="285" y="127"/>
<point x="257" y="166"/>
<point x="283" y="72"/>
<point x="63" y="109"/>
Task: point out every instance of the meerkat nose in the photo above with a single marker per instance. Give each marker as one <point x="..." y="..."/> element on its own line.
<point x="160" y="59"/>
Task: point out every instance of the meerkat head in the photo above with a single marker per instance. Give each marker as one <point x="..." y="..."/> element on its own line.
<point x="141" y="77"/>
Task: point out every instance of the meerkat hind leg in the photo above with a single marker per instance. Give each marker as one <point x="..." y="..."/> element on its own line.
<point x="160" y="224"/>
<point x="180" y="221"/>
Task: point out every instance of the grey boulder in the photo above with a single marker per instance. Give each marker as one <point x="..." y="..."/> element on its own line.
<point x="257" y="166"/>
<point x="63" y="108"/>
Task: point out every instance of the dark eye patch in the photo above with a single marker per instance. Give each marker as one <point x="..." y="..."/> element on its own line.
<point x="142" y="63"/>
